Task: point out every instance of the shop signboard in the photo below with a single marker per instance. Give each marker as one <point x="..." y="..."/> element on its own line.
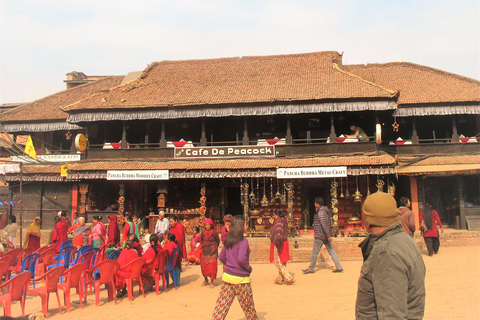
<point x="225" y="152"/>
<point x="311" y="172"/>
<point x="137" y="175"/>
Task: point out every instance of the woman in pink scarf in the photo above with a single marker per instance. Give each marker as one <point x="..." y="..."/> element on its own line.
<point x="99" y="232"/>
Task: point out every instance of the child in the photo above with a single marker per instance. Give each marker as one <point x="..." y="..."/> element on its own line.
<point x="236" y="278"/>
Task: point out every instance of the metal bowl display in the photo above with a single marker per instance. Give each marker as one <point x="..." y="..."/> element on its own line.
<point x="255" y="213"/>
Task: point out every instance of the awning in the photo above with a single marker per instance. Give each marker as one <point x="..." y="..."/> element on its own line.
<point x="439" y="169"/>
<point x="221" y="111"/>
<point x="40" y="127"/>
<point x="437" y="110"/>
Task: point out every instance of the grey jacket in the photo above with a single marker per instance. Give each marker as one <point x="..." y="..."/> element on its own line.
<point x="392" y="279"/>
<point x="322" y="225"/>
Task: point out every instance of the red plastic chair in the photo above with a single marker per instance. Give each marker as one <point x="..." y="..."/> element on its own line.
<point x="107" y="269"/>
<point x="51" y="280"/>
<point x="16" y="261"/>
<point x="45" y="259"/>
<point x="158" y="271"/>
<point x="4" y="265"/>
<point x="136" y="274"/>
<point x="74" y="278"/>
<point x="16" y="292"/>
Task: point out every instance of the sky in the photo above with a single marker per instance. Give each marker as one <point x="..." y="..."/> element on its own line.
<point x="43" y="40"/>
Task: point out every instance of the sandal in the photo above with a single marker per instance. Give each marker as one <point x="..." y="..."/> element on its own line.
<point x="278" y="281"/>
<point x="290" y="282"/>
<point x="204" y="283"/>
<point x="211" y="285"/>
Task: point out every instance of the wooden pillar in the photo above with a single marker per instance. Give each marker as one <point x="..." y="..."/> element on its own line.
<point x="74" y="201"/>
<point x="414" y="200"/>
<point x="124" y="135"/>
<point x="246" y="140"/>
<point x="203" y="138"/>
<point x="333" y="135"/>
<point x="415" y="139"/>
<point x="147" y="131"/>
<point x="455" y="137"/>
<point x="461" y="199"/>
<point x="288" y="138"/>
<point x="163" y="141"/>
<point x="82" y="209"/>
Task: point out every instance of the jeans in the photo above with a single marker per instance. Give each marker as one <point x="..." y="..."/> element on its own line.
<point x="317" y="245"/>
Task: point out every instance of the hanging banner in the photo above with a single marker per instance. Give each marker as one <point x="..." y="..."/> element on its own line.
<point x="311" y="172"/>
<point x="225" y="152"/>
<point x="137" y="175"/>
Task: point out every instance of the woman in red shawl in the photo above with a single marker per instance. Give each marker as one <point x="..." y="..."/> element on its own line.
<point x="127" y="255"/>
<point x="150" y="255"/>
<point x="179" y="231"/>
<point x="279" y="252"/>
<point x="60" y="232"/>
<point x="113" y="230"/>
<point x="170" y="244"/>
<point x="209" y="241"/>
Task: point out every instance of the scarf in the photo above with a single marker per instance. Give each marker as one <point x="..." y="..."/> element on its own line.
<point x="279" y="232"/>
<point x="113" y="230"/>
<point x="32" y="228"/>
<point x="81" y="231"/>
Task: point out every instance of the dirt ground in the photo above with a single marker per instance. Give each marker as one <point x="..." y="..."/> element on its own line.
<point x="453" y="282"/>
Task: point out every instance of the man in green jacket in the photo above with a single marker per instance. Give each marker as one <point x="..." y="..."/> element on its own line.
<point x="392" y="279"/>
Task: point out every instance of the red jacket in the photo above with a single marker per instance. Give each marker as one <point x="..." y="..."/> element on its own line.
<point x="435" y="219"/>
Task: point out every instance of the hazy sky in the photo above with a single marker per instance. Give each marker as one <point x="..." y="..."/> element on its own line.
<point x="41" y="41"/>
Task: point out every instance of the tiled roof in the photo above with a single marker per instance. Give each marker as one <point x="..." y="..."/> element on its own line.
<point x="419" y="84"/>
<point x="234" y="164"/>
<point x="440" y="160"/>
<point x="241" y="80"/>
<point x="48" y="108"/>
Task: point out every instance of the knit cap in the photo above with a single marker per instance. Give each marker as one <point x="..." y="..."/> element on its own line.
<point x="380" y="209"/>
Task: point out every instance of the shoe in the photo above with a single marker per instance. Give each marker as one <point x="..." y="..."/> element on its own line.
<point x="307" y="271"/>
<point x="435" y="252"/>
<point x="121" y="293"/>
<point x="337" y="270"/>
<point x="430" y="254"/>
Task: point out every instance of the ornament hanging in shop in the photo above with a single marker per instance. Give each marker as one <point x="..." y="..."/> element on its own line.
<point x="68" y="135"/>
<point x="347" y="194"/>
<point x="368" y="187"/>
<point x="341" y="189"/>
<point x="252" y="194"/>
<point x="395" y="125"/>
<point x="257" y="195"/>
<point x="278" y="195"/>
<point x="272" y="199"/>
<point x="357" y="196"/>
<point x="264" y="201"/>
<point x="283" y="199"/>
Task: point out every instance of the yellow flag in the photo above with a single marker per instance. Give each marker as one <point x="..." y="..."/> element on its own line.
<point x="30" y="149"/>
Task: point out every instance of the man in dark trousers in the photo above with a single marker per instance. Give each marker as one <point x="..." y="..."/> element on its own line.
<point x="323" y="236"/>
<point x="392" y="279"/>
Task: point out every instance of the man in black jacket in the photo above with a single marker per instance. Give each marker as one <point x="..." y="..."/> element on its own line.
<point x="323" y="236"/>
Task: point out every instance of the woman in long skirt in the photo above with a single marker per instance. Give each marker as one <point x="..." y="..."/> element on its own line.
<point x="32" y="238"/>
<point x="209" y="241"/>
<point x="279" y="250"/>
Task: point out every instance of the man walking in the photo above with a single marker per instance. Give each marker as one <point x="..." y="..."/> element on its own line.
<point x="406" y="216"/>
<point x="392" y="279"/>
<point x="323" y="236"/>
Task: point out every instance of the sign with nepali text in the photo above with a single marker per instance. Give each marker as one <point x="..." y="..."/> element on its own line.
<point x="137" y="175"/>
<point x="225" y="152"/>
<point x="311" y="172"/>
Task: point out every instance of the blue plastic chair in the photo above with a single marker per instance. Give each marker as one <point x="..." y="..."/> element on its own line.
<point x="114" y="254"/>
<point x="96" y="255"/>
<point x="170" y="267"/>
<point x="64" y="244"/>
<point x="29" y="264"/>
<point x="82" y="250"/>
<point x="66" y="254"/>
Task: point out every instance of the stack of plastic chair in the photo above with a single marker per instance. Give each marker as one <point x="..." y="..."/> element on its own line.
<point x="136" y="275"/>
<point x="108" y="270"/>
<point x="64" y="257"/>
<point x="4" y="265"/>
<point x="16" y="262"/>
<point x="17" y="289"/>
<point x="51" y="280"/>
<point x="74" y="278"/>
<point x="158" y="270"/>
<point x="45" y="259"/>
<point x="66" y="243"/>
<point x="170" y="268"/>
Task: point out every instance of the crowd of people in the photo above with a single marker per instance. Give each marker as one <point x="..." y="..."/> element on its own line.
<point x="385" y="289"/>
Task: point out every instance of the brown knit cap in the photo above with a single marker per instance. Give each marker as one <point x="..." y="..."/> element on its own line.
<point x="380" y="209"/>
<point x="228" y="218"/>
